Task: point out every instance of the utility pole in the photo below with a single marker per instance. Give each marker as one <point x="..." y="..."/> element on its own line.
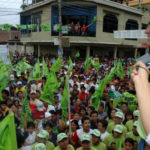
<point x="60" y="23"/>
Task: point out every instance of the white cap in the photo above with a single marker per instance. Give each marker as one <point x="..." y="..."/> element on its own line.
<point x="19" y="83"/>
<point x="47" y="114"/>
<point x="12" y="77"/>
<point x="39" y="106"/>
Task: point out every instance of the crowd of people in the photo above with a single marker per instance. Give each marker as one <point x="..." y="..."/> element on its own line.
<point x="91" y="129"/>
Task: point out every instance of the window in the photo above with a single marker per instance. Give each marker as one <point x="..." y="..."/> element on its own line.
<point x="110" y="23"/>
<point x="131" y="25"/>
<point x="36" y="19"/>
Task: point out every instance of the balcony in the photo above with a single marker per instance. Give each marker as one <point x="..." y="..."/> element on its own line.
<point x="9" y="36"/>
<point x="135" y="3"/>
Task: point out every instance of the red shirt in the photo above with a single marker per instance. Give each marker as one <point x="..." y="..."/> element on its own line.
<point x="83" y="29"/>
<point x="83" y="96"/>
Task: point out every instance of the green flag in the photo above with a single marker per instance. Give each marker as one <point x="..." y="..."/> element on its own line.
<point x="8" y="140"/>
<point x="94" y="19"/>
<point x="44" y="68"/>
<point x="4" y="77"/>
<point x="119" y="70"/>
<point x="118" y="145"/>
<point x="64" y="101"/>
<point x="77" y="54"/>
<point x="87" y="64"/>
<point x="57" y="65"/>
<point x="25" y="111"/>
<point x="22" y="65"/>
<point x="98" y="93"/>
<point x="128" y="98"/>
<point x="50" y="88"/>
<point x="70" y="67"/>
<point x="95" y="64"/>
<point x="36" y="72"/>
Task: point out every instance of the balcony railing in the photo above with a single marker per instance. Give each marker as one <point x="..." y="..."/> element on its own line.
<point x="9" y="36"/>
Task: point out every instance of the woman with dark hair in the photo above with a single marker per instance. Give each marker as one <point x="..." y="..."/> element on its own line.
<point x="74" y="127"/>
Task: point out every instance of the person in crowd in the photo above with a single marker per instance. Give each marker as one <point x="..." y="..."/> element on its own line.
<point x="63" y="142"/>
<point x="85" y="129"/>
<point x="102" y="126"/>
<point x="85" y="143"/>
<point x="94" y="119"/>
<point x="42" y="137"/>
<point x="134" y="134"/>
<point x="96" y="141"/>
<point x="117" y="134"/>
<point x="129" y="124"/>
<point x="49" y="128"/>
<point x="129" y="144"/>
<point x="117" y="121"/>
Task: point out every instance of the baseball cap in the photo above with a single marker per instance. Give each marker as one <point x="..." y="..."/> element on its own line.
<point x="12" y="77"/>
<point x="135" y="123"/>
<point x="85" y="137"/>
<point x="40" y="146"/>
<point x="43" y="134"/>
<point x="61" y="136"/>
<point x="96" y="133"/>
<point x="39" y="106"/>
<point x="118" y="128"/>
<point x="136" y="113"/>
<point x="19" y="83"/>
<point x="47" y="114"/>
<point x="119" y="114"/>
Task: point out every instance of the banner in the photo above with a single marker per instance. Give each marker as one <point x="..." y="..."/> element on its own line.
<point x="130" y="34"/>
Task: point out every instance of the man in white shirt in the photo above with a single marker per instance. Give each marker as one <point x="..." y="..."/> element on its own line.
<point x="102" y="126"/>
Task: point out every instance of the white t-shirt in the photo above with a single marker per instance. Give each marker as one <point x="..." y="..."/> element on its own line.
<point x="103" y="135"/>
<point x="25" y="148"/>
<point x="31" y="138"/>
<point x="80" y="132"/>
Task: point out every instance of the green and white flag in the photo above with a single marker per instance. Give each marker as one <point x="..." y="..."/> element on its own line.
<point x="8" y="140"/>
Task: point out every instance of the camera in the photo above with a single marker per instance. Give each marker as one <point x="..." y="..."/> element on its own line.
<point x="145" y="59"/>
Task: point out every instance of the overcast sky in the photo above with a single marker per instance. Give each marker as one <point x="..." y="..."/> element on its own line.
<point x="9" y="10"/>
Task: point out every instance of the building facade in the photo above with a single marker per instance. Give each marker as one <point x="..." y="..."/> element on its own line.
<point x="98" y="38"/>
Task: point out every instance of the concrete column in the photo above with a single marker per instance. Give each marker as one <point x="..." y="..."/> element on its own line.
<point x="24" y="48"/>
<point x="147" y="50"/>
<point x="115" y="52"/>
<point x="88" y="51"/>
<point x="135" y="53"/>
<point x="38" y="50"/>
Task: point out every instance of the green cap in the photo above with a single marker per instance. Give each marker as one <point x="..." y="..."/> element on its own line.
<point x="135" y="123"/>
<point x="85" y="137"/>
<point x="96" y="133"/>
<point x="43" y="134"/>
<point x="136" y="113"/>
<point x="118" y="128"/>
<point x="40" y="146"/>
<point x="119" y="114"/>
<point x="61" y="136"/>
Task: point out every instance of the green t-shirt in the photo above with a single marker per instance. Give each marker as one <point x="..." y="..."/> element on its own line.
<point x="109" y="139"/>
<point x="132" y="136"/>
<point x="111" y="126"/>
<point x="129" y="125"/>
<point x="100" y="146"/>
<point x="70" y="147"/>
<point x="49" y="146"/>
<point x="91" y="148"/>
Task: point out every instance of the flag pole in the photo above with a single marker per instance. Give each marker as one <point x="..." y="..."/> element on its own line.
<point x="69" y="110"/>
